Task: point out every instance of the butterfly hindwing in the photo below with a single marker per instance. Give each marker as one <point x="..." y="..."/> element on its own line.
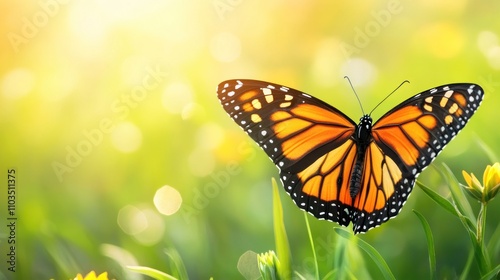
<point x="315" y="145"/>
<point x="322" y="188"/>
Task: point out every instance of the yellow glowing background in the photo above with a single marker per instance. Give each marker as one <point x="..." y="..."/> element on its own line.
<point x="109" y="115"/>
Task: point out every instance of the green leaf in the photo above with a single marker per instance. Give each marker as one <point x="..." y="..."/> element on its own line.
<point x="156" y="274"/>
<point x="430" y="244"/>
<point x="479" y="254"/>
<point x="443" y="202"/>
<point x="281" y="239"/>
<point x="458" y="195"/>
<point x="448" y="206"/>
<point x="374" y="255"/>
<point x="492" y="274"/>
<point x="341" y="258"/>
<point x="468" y="219"/>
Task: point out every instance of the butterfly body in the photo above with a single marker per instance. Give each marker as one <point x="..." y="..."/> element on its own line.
<point x="362" y="137"/>
<point x="336" y="169"/>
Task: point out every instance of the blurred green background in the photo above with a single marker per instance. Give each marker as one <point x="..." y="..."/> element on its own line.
<point x="109" y="114"/>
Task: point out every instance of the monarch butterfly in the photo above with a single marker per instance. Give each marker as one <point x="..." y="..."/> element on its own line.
<point x="336" y="169"/>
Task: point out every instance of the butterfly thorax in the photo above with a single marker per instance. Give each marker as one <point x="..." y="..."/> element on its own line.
<point x="362" y="136"/>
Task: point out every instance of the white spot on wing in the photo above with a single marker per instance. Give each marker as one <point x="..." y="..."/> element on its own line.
<point x="267" y="91"/>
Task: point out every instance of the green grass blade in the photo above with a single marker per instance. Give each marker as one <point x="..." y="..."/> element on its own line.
<point x="447" y="205"/>
<point x="374" y="255"/>
<point x="465" y="272"/>
<point x="340" y="258"/>
<point x="312" y="246"/>
<point x="441" y="201"/>
<point x="178" y="264"/>
<point x="331" y="275"/>
<point x="281" y="239"/>
<point x="494" y="243"/>
<point x="430" y="244"/>
<point x="479" y="254"/>
<point x="487" y="150"/>
<point x="151" y="272"/>
<point x="458" y="195"/>
<point x="492" y="274"/>
<point x="299" y="276"/>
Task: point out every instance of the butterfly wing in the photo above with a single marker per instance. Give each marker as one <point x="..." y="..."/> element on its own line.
<point x="405" y="141"/>
<point x="308" y="140"/>
<point x="311" y="143"/>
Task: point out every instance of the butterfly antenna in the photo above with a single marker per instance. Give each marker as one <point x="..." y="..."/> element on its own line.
<point x="405" y="81"/>
<point x="357" y="97"/>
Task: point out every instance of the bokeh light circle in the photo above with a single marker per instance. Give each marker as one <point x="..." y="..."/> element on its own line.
<point x="167" y="200"/>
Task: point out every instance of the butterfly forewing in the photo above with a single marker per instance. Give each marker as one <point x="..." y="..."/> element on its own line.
<point x="293" y="128"/>
<point x="419" y="128"/>
<point x="314" y="145"/>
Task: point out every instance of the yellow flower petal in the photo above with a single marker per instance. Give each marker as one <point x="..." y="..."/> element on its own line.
<point x="486" y="174"/>
<point x="103" y="276"/>
<point x="467" y="178"/>
<point x="91" y="276"/>
<point x="491" y="178"/>
<point x="474" y="187"/>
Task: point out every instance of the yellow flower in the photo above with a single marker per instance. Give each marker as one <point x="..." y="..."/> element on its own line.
<point x="490" y="186"/>
<point x="92" y="276"/>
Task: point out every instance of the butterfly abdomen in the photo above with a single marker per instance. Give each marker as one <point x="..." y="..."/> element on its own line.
<point x="362" y="137"/>
<point x="357" y="175"/>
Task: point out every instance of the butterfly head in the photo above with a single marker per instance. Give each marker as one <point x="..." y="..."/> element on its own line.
<point x="364" y="128"/>
<point x="366" y="119"/>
